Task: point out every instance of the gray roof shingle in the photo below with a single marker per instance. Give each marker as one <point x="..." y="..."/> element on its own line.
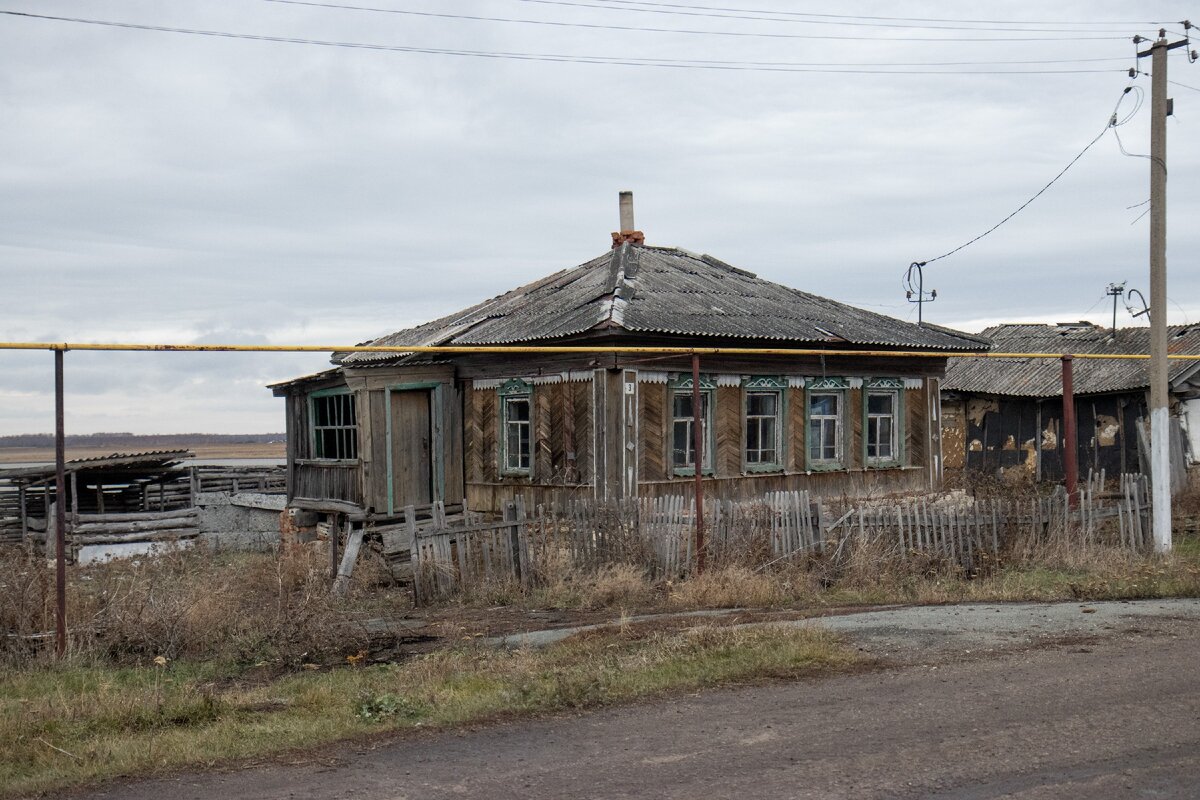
<point x="661" y="290"/>
<point x="1033" y="377"/>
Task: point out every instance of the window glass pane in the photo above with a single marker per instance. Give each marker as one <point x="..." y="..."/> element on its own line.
<point x="879" y="403"/>
<point x="761" y="404"/>
<point x="767" y="436"/>
<point x="823" y="404"/>
<point x="682" y="444"/>
<point x="518" y="409"/>
<point x="885" y="437"/>
<point x="683" y="404"/>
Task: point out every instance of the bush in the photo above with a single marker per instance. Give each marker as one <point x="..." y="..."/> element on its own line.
<point x="184" y="603"/>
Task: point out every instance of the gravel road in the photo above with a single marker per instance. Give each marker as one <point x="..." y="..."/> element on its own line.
<point x="990" y="701"/>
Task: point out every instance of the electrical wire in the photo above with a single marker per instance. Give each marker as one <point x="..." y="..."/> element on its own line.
<point x="1113" y="123"/>
<point x="1183" y="86"/>
<point x="846" y="20"/>
<point x="548" y="57"/>
<point x="439" y="14"/>
<point x="863" y="16"/>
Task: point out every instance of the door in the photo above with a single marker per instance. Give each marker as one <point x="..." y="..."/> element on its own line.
<point x="411" y="454"/>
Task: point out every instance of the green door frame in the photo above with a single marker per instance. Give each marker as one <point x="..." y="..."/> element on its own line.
<point x="437" y="447"/>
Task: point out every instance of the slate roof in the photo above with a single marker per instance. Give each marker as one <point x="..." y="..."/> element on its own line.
<point x="1031" y="377"/>
<point x="640" y="289"/>
<point x="151" y="461"/>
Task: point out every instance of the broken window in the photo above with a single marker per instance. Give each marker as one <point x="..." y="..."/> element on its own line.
<point x="335" y="426"/>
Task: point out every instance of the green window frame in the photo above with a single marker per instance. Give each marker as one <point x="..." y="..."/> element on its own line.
<point x="824" y="423"/>
<point x="883" y="422"/>
<point x="764" y="401"/>
<point x="516" y="428"/>
<point x="333" y="423"/>
<point x="682" y="441"/>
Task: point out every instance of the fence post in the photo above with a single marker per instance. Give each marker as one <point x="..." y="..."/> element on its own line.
<point x="1070" y="450"/>
<point x="698" y="431"/>
<point x="511" y="514"/>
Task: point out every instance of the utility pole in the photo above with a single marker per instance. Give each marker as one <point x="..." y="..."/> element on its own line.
<point x="1160" y="421"/>
<point x="1114" y="291"/>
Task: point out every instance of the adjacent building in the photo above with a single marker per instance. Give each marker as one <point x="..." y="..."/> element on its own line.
<point x="1004" y="415"/>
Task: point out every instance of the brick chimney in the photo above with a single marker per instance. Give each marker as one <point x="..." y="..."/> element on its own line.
<point x="627" y="233"/>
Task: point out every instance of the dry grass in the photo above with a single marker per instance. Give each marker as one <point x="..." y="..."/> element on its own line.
<point x="142" y="720"/>
<point x="188" y="604"/>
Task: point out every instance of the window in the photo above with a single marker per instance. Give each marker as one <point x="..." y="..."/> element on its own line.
<point x="881" y="426"/>
<point x="516" y="431"/>
<point x="683" y="437"/>
<point x="825" y="428"/>
<point x="883" y="422"/>
<point x="762" y="428"/>
<point x="516" y="427"/>
<point x="335" y="426"/>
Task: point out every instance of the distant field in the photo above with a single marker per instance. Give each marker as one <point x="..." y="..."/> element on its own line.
<point x="17" y="455"/>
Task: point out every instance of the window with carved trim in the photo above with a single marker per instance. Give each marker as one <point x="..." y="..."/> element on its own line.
<point x="683" y="428"/>
<point x="516" y="427"/>
<point x="825" y="428"/>
<point x="883" y="422"/>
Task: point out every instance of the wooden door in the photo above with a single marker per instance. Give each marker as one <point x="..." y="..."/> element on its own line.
<point x="412" y="455"/>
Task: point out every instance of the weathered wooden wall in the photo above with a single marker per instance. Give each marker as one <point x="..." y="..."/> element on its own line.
<point x="563" y="446"/>
<point x="1022" y="436"/>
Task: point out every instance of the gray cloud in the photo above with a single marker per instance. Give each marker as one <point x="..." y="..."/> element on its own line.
<point x="165" y="187"/>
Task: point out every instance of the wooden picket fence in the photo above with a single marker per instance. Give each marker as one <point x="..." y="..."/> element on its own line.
<point x="658" y="534"/>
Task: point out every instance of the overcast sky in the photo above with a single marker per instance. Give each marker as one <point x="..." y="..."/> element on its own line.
<point x="165" y="187"/>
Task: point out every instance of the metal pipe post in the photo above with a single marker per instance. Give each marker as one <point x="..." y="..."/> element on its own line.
<point x="698" y="435"/>
<point x="1070" y="448"/>
<point x="60" y="516"/>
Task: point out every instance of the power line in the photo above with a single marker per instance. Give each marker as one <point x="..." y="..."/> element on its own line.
<point x="647" y="29"/>
<point x="471" y="17"/>
<point x="1113" y="122"/>
<point x="842" y="20"/>
<point x="1183" y="85"/>
<point x="861" y="16"/>
<point x="628" y="61"/>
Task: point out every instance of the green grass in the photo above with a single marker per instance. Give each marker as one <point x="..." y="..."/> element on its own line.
<point x="137" y="721"/>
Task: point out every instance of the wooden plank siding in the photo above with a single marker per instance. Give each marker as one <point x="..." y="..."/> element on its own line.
<point x="916" y="436"/>
<point x="729" y="433"/>
<point x="853" y="430"/>
<point x="796" y="433"/>
<point x="562" y="445"/>
<point x="654" y="457"/>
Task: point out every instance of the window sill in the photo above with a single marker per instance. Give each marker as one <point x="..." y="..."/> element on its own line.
<point x="690" y="472"/>
<point x="757" y="469"/>
<point x="327" y="462"/>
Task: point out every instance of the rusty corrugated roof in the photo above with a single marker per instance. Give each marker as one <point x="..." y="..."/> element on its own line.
<point x="1032" y="377"/>
<point x="662" y="290"/>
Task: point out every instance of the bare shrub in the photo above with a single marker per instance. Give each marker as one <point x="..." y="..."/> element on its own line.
<point x="182" y="603"/>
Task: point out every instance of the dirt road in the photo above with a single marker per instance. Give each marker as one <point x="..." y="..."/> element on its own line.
<point x="1101" y="703"/>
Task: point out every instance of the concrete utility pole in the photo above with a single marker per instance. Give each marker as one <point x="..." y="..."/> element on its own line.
<point x="1160" y="420"/>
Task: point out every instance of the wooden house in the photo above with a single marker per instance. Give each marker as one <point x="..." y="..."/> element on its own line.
<point x="1005" y="415"/>
<point x="381" y="431"/>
